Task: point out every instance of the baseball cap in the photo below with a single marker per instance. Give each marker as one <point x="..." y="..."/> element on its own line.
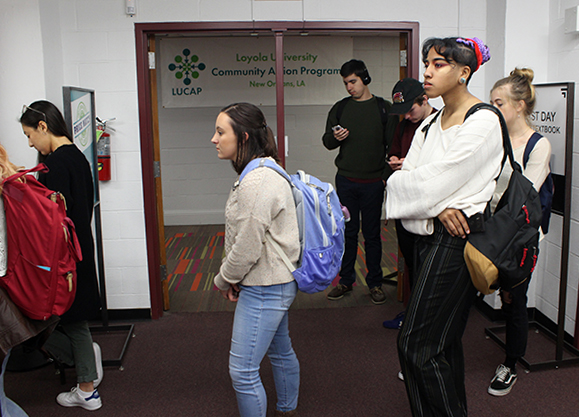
<point x="403" y="95"/>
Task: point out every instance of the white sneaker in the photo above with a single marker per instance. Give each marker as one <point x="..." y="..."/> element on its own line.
<point x="99" y="364"/>
<point x="78" y="398"/>
<point x="400" y="376"/>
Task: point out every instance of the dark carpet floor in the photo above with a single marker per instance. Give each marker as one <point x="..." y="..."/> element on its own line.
<point x="177" y="366"/>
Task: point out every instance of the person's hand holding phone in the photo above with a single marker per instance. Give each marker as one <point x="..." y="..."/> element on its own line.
<point x="395" y="163"/>
<point x="340" y="133"/>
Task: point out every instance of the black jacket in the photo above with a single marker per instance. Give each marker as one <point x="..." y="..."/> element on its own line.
<point x="69" y="173"/>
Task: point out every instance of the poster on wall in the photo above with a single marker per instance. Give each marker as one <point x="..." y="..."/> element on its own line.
<point x="79" y="114"/>
<point x="213" y="72"/>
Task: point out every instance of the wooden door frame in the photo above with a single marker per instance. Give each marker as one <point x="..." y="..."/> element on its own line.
<point x="143" y="31"/>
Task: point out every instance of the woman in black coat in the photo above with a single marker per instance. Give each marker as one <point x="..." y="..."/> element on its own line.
<point x="70" y="174"/>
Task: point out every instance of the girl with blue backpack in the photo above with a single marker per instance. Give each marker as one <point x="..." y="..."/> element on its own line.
<point x="252" y="273"/>
<point x="514" y="96"/>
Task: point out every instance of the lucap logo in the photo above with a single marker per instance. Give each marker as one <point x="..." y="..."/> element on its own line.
<point x="185" y="67"/>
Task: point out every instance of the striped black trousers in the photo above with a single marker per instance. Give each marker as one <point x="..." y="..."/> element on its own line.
<point x="429" y="343"/>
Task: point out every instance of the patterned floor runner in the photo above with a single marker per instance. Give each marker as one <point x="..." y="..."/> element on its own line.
<point x="194" y="256"/>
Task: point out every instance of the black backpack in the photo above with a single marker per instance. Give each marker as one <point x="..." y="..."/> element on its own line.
<point x="505" y="253"/>
<point x="547" y="189"/>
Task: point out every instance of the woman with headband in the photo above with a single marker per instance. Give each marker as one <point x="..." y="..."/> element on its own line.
<point x="69" y="173"/>
<point x="448" y="176"/>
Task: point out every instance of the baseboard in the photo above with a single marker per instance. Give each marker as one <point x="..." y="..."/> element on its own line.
<point x="550" y="325"/>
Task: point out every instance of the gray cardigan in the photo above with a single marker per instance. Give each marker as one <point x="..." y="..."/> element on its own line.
<point x="262" y="202"/>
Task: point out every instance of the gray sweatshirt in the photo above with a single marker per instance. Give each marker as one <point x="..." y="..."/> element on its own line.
<point x="262" y="202"/>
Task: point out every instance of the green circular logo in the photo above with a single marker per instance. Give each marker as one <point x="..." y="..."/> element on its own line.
<point x="81" y="111"/>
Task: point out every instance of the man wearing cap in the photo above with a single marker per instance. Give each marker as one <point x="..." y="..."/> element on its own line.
<point x="360" y="126"/>
<point x="411" y="102"/>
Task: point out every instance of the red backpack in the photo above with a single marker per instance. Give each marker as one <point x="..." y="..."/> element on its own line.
<point x="42" y="247"/>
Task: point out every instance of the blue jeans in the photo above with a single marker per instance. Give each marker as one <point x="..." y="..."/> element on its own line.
<point x="260" y="326"/>
<point x="8" y="408"/>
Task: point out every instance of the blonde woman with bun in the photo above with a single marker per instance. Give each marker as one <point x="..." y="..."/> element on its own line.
<point x="515" y="97"/>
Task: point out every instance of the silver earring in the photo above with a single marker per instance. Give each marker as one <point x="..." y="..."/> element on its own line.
<point x="462" y="80"/>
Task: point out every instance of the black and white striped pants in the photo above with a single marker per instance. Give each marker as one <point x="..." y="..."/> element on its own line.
<point x="429" y="343"/>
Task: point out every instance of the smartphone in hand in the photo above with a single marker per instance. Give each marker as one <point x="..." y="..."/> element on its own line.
<point x="337" y="128"/>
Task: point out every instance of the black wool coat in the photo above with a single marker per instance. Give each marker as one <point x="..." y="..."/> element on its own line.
<point x="69" y="173"/>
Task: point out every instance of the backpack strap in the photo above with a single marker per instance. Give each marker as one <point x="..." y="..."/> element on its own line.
<point x="261" y="162"/>
<point x="529" y="147"/>
<point x="383" y="109"/>
<point x="20" y="174"/>
<point x="280" y="252"/>
<point x="507" y="147"/>
<point x="341" y="104"/>
<point x="426" y="128"/>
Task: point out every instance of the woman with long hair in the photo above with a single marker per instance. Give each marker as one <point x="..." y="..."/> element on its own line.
<point x="448" y="175"/>
<point x="514" y="96"/>
<point x="252" y="274"/>
<point x="69" y="173"/>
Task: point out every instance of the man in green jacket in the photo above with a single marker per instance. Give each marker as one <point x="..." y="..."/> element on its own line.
<point x="361" y="128"/>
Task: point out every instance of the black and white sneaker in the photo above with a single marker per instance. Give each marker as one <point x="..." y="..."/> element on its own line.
<point x="503" y="381"/>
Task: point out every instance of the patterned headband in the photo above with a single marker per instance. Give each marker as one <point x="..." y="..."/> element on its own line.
<point x="480" y="49"/>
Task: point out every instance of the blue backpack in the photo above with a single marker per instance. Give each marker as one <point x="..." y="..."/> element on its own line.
<point x="320" y="224"/>
<point x="548" y="187"/>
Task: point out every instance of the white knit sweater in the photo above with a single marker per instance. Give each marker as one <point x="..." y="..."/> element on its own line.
<point x="452" y="168"/>
<point x="262" y="202"/>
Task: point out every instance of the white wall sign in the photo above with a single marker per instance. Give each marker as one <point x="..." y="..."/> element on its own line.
<point x="82" y="122"/>
<point x="213" y="72"/>
<point x="550" y="119"/>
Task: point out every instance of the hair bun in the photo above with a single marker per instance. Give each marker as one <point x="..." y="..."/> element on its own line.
<point x="526" y="73"/>
<point x="484" y="50"/>
<point x="481" y="51"/>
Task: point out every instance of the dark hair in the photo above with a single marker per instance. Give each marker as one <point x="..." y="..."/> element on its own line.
<point x="354" y="66"/>
<point x="248" y="118"/>
<point x="521" y="82"/>
<point x="450" y="49"/>
<point x="45" y="111"/>
<point x="420" y="99"/>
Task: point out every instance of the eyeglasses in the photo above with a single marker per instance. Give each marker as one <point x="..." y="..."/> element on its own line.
<point x="25" y="108"/>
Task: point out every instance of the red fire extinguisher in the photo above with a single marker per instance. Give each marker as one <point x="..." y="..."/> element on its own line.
<point x="104" y="149"/>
